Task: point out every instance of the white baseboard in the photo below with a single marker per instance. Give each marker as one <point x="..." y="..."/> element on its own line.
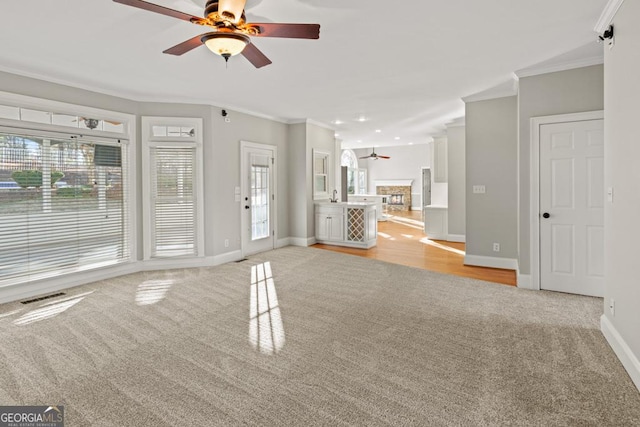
<point x="621" y="349"/>
<point x="524" y="281"/>
<point x="56" y="284"/>
<point x="227" y="257"/>
<point x="494" y="262"/>
<point x="461" y="238"/>
<point x="301" y="241"/>
<point x="171" y="263"/>
<point x="281" y="243"/>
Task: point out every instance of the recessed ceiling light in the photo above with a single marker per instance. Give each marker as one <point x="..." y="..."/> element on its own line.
<point x="397" y="138"/>
<point x="359" y="140"/>
<point x="362" y="118"/>
<point x="336" y="135"/>
<point x="337" y="122"/>
<point x="411" y="143"/>
<point x="378" y="130"/>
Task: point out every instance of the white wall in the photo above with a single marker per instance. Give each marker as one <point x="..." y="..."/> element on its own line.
<point x="406" y="162"/>
<point x="622" y="216"/>
<point x="492" y="142"/>
<point x="456" y="180"/>
<point x="571" y="91"/>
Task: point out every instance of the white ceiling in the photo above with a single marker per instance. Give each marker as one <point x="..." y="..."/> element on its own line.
<point x="404" y="66"/>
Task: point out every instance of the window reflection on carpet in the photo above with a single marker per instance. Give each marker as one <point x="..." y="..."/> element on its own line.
<point x="266" y="331"/>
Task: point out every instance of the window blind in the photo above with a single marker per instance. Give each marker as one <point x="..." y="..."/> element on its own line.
<point x="173" y="202"/>
<point x="61" y="211"/>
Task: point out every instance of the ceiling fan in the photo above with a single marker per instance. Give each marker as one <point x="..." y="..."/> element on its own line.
<point x="229" y="34"/>
<point x="374" y="156"/>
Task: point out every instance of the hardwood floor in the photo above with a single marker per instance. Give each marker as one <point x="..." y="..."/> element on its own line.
<point x="401" y="240"/>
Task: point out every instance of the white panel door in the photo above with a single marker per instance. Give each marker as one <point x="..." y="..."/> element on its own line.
<point x="572" y="207"/>
<point x="258" y="198"/>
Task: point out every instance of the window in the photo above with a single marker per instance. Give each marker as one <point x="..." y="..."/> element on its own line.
<point x="63" y="204"/>
<point x="48" y="117"/>
<point x="356" y="178"/>
<point x="172" y="150"/>
<point x="320" y="175"/>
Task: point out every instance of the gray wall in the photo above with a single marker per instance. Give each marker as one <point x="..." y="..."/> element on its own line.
<point x="492" y="141"/>
<point x="222" y="172"/>
<point x="323" y="139"/>
<point x="221" y="154"/>
<point x="297" y="159"/>
<point x="456" y="180"/>
<point x="563" y="92"/>
<point x="406" y="162"/>
<point x="622" y="154"/>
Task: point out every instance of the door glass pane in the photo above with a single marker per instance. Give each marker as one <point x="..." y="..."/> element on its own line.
<point x="260" y="202"/>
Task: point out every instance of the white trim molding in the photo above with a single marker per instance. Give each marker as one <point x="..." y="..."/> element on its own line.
<point x="226" y="257"/>
<point x="523" y="281"/>
<point x="621" y="349"/>
<point x="504" y="90"/>
<point x="489" y="261"/>
<point x="562" y="66"/>
<point x="460" y="238"/>
<point x="302" y="241"/>
<point x="534" y="183"/>
<point x="607" y="16"/>
<point x="281" y="243"/>
<point x="393" y="183"/>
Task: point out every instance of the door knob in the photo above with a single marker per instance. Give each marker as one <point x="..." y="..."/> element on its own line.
<point x="247" y="207"/>
<point x="546" y="215"/>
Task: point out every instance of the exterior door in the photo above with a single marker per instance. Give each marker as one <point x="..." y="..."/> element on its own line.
<point x="572" y="207"/>
<point x="258" y="198"/>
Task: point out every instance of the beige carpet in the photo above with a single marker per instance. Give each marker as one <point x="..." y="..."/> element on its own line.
<point x="315" y="338"/>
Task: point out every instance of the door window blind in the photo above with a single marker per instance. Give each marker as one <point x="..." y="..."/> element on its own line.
<point x="173" y="202"/>
<point x="63" y="206"/>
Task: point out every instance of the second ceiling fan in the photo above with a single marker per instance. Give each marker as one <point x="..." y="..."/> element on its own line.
<point x="230" y="33"/>
<point x="374" y="156"/>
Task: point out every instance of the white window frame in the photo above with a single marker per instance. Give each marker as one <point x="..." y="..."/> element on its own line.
<point x="128" y="133"/>
<point x="148" y="142"/>
<point x="325" y="156"/>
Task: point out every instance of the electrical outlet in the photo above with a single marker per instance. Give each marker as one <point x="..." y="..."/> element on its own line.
<point x="612" y="307"/>
<point x="496" y="247"/>
<point x="226" y="243"/>
<point x="479" y="189"/>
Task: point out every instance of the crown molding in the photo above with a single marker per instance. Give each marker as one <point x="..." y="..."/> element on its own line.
<point x="311" y="122"/>
<point x="140" y="98"/>
<point x="563" y="66"/>
<point x="607" y="16"/>
<point x="459" y="122"/>
<point x="486" y="96"/>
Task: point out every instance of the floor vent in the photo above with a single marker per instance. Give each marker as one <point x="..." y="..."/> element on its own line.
<point x="29" y="301"/>
<point x="242" y="260"/>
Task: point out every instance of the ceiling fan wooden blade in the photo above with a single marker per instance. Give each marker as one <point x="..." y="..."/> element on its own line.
<point x="231" y="9"/>
<point x="383" y="157"/>
<point x="140" y="4"/>
<point x="255" y="56"/>
<point x="365" y="157"/>
<point x="291" y="31"/>
<point x="184" y="47"/>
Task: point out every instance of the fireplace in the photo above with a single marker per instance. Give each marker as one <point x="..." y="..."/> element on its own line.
<point x="395" y="199"/>
<point x="397" y="192"/>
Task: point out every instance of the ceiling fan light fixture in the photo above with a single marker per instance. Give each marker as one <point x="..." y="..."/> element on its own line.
<point x="226" y="44"/>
